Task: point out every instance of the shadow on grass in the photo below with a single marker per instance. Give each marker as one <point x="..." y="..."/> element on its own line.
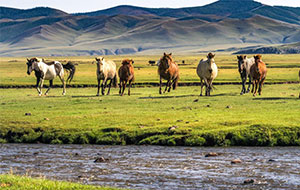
<point x="277" y="98"/>
<point x="166" y="97"/>
<point x="225" y="94"/>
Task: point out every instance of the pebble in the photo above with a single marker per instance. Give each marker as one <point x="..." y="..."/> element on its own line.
<point x="173" y="128"/>
<point x="249" y="181"/>
<point x="211" y="154"/>
<point x="236" y="161"/>
<point x="47" y="119"/>
<point x="100" y="159"/>
<point x="208" y="105"/>
<point x="28" y="114"/>
<point x="228" y="107"/>
<point x="196" y="100"/>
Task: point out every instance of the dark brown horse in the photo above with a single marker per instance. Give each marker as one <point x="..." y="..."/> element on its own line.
<point x="258" y="73"/>
<point x="168" y="70"/>
<point x="126" y="74"/>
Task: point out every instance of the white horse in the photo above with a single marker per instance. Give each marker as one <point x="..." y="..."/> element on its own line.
<point x="207" y="70"/>
<point x="48" y="71"/>
<point x="106" y="70"/>
<point x="244" y="65"/>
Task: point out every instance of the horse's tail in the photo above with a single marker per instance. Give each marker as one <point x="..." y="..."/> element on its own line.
<point x="70" y="67"/>
<point x="175" y="83"/>
<point x="115" y="81"/>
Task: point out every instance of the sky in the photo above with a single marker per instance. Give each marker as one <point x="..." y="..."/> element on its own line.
<point x="75" y="6"/>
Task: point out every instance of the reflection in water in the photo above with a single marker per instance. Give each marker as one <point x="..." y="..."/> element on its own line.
<point x="156" y="167"/>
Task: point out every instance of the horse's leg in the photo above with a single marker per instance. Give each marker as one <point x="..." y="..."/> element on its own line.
<point x="109" y="86"/>
<point x="120" y="85"/>
<point x="167" y="86"/>
<point x="253" y="85"/>
<point x="260" y="85"/>
<point x="41" y="86"/>
<point x="99" y="80"/>
<point x="160" y="83"/>
<point x="37" y="86"/>
<point x="50" y="85"/>
<point x="206" y="86"/>
<point x="124" y="86"/>
<point x="244" y="79"/>
<point x="250" y="82"/>
<point x="103" y="86"/>
<point x="64" y="84"/>
<point x="209" y="87"/>
<point x="129" y="87"/>
<point x="256" y="85"/>
<point x="201" y="81"/>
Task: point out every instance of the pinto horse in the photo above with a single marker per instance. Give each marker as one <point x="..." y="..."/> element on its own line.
<point x="258" y="73"/>
<point x="48" y="71"/>
<point x="106" y="70"/>
<point x="126" y="74"/>
<point x="244" y="65"/>
<point x="168" y="70"/>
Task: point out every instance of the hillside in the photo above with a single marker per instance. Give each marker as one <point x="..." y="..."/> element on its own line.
<point x="282" y="49"/>
<point x="127" y="29"/>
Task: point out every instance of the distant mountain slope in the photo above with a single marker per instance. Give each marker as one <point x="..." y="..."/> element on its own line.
<point x="223" y="9"/>
<point x="282" y="49"/>
<point x="12" y="13"/>
<point x="127" y="29"/>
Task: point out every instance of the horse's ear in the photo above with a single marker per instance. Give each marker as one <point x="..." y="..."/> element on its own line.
<point x="165" y="54"/>
<point x="132" y="61"/>
<point x="245" y="56"/>
<point x="102" y="58"/>
<point x="213" y="55"/>
<point x="97" y="59"/>
<point x="170" y="54"/>
<point x="238" y="57"/>
<point x="28" y="60"/>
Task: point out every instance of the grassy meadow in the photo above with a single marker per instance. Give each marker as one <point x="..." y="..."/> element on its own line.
<point x="14" y="182"/>
<point x="177" y="118"/>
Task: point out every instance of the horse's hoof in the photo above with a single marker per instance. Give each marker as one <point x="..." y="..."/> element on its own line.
<point x="40" y="94"/>
<point x="97" y="94"/>
<point x="200" y="94"/>
<point x="63" y="94"/>
<point x="241" y="93"/>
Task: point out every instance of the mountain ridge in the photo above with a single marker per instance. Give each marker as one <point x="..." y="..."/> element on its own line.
<point x="225" y="23"/>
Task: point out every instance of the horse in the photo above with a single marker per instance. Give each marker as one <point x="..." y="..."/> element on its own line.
<point x="48" y="71"/>
<point x="258" y="73"/>
<point x="244" y="65"/>
<point x="207" y="70"/>
<point x="168" y="70"/>
<point x="126" y="74"/>
<point x="299" y="79"/>
<point x="106" y="70"/>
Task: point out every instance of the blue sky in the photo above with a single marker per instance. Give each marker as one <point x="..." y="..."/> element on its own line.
<point x="73" y="6"/>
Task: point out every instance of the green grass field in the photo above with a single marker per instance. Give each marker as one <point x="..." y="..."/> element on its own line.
<point x="13" y="182"/>
<point x="282" y="68"/>
<point x="146" y="117"/>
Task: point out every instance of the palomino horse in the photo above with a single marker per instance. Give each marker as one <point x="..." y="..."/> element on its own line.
<point x="244" y="65"/>
<point x="207" y="70"/>
<point x="106" y="70"/>
<point x="168" y="70"/>
<point x="258" y="73"/>
<point x="48" y="71"/>
<point x="126" y="74"/>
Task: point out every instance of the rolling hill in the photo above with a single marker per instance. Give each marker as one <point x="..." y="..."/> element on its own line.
<point x="127" y="29"/>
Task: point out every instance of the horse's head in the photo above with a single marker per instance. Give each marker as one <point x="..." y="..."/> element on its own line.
<point x="211" y="60"/>
<point x="32" y="64"/>
<point x="166" y="60"/>
<point x="257" y="61"/>
<point x="241" y="63"/>
<point x="127" y="62"/>
<point x="100" y="62"/>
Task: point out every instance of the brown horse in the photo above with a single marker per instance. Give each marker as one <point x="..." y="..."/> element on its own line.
<point x="126" y="74"/>
<point x="258" y="73"/>
<point x="168" y="70"/>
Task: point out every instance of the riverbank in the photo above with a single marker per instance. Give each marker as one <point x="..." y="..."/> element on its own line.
<point x="15" y="182"/>
<point x="179" y="118"/>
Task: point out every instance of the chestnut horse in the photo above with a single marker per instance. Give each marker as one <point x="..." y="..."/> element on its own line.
<point x="168" y="70"/>
<point x="258" y="73"/>
<point x="126" y="74"/>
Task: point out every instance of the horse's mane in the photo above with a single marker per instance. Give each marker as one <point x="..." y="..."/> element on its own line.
<point x="211" y="55"/>
<point x="127" y="62"/>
